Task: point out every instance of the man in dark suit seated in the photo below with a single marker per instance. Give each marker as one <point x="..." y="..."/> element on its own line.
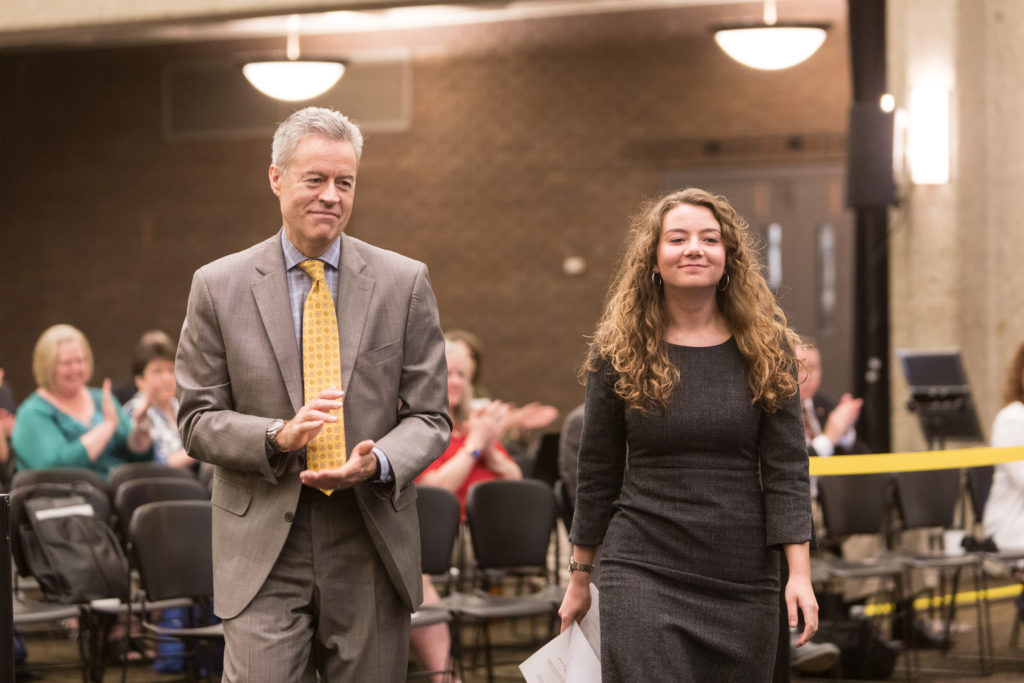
<point x="828" y="426"/>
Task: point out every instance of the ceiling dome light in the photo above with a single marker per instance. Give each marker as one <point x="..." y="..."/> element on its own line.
<point x="294" y="79"/>
<point x="770" y="46"/>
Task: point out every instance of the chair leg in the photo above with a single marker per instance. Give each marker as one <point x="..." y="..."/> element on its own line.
<point x="456" y="652"/>
<point x="93" y="632"/>
<point x="488" y="652"/>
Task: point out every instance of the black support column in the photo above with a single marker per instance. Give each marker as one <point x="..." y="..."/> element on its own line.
<point x="869" y="191"/>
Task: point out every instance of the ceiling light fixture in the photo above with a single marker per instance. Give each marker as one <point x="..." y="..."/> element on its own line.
<point x="771" y="45"/>
<point x="293" y="79"/>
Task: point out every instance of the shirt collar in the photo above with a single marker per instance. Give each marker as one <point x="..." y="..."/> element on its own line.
<point x="293" y="257"/>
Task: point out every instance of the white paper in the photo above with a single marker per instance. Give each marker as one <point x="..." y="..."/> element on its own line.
<point x="549" y="664"/>
<point x="584" y="665"/>
<point x="572" y="656"/>
<point x="591" y="622"/>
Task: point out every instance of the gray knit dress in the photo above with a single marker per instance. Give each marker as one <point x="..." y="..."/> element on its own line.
<point x="690" y="508"/>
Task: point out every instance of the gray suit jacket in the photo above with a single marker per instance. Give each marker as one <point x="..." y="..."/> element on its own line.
<point x="238" y="368"/>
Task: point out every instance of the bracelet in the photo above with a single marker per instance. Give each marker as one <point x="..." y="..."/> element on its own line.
<point x="575" y="566"/>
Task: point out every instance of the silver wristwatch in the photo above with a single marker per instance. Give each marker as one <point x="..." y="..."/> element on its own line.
<point x="272" y="432"/>
<point x="575" y="566"/>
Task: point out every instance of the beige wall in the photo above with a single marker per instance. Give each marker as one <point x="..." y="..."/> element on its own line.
<point x="530" y="142"/>
<point x="956" y="248"/>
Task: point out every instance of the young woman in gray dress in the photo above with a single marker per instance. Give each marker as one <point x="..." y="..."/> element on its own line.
<point x="692" y="464"/>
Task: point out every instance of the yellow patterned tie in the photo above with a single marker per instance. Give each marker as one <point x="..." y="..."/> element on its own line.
<point x="321" y="367"/>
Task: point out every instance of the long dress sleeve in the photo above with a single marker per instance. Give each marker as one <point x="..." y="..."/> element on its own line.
<point x="602" y="459"/>
<point x="784" y="476"/>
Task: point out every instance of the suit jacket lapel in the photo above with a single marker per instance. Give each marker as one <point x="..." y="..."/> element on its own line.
<point x="270" y="288"/>
<point x="355" y="288"/>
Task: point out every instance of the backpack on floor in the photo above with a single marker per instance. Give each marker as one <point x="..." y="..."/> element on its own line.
<point x="73" y="554"/>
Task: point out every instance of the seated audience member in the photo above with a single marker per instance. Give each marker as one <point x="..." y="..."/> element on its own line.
<point x="475" y="452"/>
<point x="65" y="423"/>
<point x="1004" y="510"/>
<point x="828" y="426"/>
<point x="153" y="370"/>
<point x="7" y="409"/>
<point x="521" y="422"/>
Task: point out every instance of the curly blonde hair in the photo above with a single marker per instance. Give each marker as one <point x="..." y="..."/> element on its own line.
<point x="631" y="333"/>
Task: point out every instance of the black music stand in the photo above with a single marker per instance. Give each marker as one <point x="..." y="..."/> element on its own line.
<point x="940" y="395"/>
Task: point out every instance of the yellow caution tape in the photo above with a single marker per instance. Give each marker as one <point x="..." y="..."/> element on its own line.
<point x="914" y="462"/>
<point x="964" y="598"/>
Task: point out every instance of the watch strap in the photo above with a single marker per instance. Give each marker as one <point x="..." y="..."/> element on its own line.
<point x="575" y="566"/>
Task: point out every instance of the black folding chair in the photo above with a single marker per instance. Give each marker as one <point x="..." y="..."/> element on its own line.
<point x="439" y="513"/>
<point x="510" y="525"/>
<point x="133" y="493"/>
<point x="171" y="545"/>
<point x="60" y="475"/>
<point x="96" y="618"/>
<point x="127" y="471"/>
<point x="860" y="504"/>
<point x="928" y="500"/>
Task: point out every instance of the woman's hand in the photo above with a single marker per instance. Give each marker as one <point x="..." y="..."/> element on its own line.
<point x="140" y="417"/>
<point x="487" y="424"/>
<point x="530" y="416"/>
<point x="576" y="602"/>
<point x="800" y="598"/>
<point x="843" y="417"/>
<point x="110" y="412"/>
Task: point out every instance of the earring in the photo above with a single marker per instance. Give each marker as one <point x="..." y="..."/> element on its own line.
<point x="656" y="279"/>
<point x="721" y="287"/>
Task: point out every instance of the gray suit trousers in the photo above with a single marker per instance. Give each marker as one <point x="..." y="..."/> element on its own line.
<point x="327" y="606"/>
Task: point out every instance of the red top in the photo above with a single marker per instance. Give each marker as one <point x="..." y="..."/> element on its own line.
<point x="477" y="474"/>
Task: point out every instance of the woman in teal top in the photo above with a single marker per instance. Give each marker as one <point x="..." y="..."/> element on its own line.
<point x="65" y="423"/>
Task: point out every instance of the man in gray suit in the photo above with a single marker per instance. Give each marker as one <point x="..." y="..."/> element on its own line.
<point x="306" y="581"/>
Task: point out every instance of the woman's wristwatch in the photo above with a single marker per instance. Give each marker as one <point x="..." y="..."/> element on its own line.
<point x="575" y="566"/>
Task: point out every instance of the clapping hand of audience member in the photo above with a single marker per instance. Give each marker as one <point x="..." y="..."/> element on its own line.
<point x="140" y="419"/>
<point x="110" y="412"/>
<point x="6" y="416"/>
<point x="139" y="439"/>
<point x="533" y="415"/>
<point x="6" y="422"/>
<point x="843" y="417"/>
<point x="486" y="425"/>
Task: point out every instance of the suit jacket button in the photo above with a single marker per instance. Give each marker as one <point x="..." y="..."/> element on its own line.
<point x="288" y="517"/>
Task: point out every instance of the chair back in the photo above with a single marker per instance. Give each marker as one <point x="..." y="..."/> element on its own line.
<point x="172" y="548"/>
<point x="563" y="504"/>
<point x="134" y="493"/>
<point x="127" y="471"/>
<point x="60" y="475"/>
<point x="927" y="499"/>
<point x="510" y="523"/>
<point x="439" y="513"/>
<point x="545" y="463"/>
<point x="98" y="499"/>
<point x="854" y="503"/>
<point x="979" y="483"/>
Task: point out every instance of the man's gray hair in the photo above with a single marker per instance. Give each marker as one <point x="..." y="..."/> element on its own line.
<point x="326" y="123"/>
